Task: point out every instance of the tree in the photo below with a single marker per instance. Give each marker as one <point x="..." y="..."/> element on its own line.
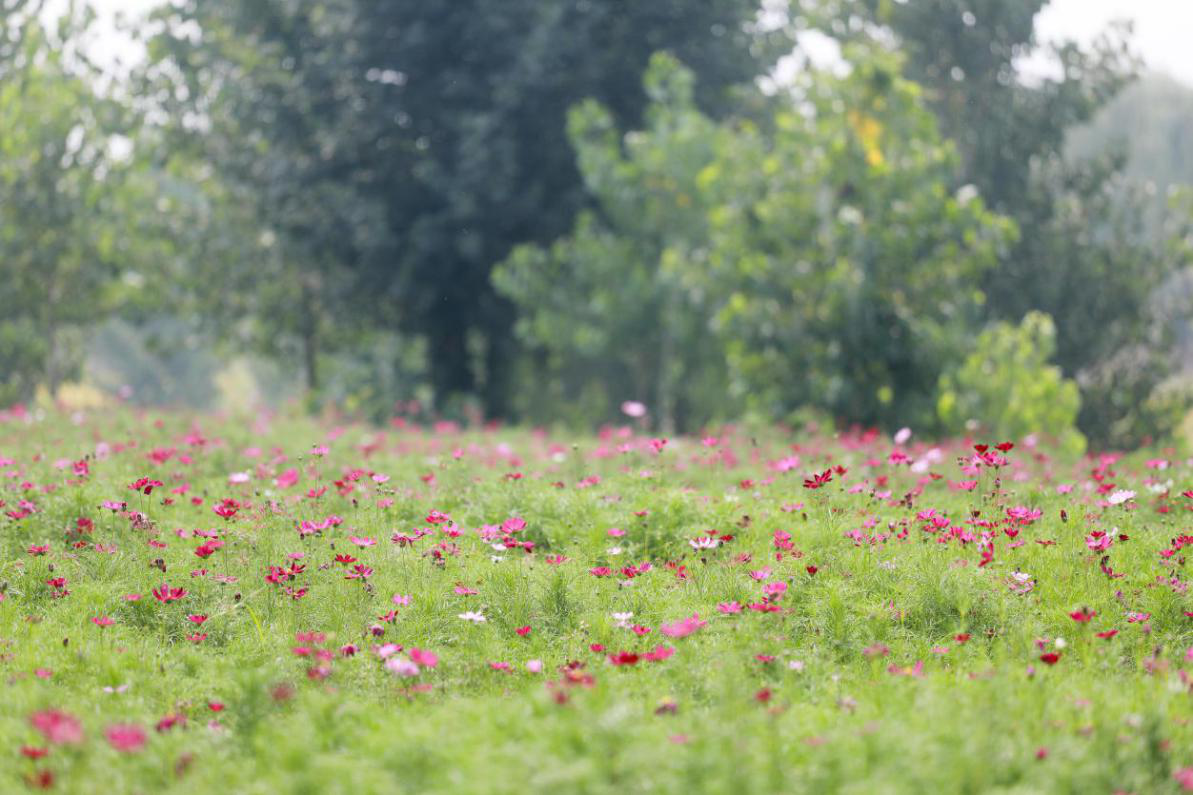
<point x="851" y="265"/>
<point x="62" y="206"/>
<point x="1008" y="385"/>
<point x="838" y="268"/>
<point x="1081" y="257"/>
<point x="445" y="120"/>
<point x="262" y="152"/>
<point x="613" y="302"/>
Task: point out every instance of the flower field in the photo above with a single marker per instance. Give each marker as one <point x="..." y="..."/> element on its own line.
<point x="195" y="604"/>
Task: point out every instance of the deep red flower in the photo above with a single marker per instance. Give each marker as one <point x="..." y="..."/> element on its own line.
<point x="818" y="480"/>
<point x="145" y="485"/>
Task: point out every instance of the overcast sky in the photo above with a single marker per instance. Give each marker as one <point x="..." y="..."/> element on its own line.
<point x="1163" y="28"/>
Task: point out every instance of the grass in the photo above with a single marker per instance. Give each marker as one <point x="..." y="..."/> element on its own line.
<point x="858" y="678"/>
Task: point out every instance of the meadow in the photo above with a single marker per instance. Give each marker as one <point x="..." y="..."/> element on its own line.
<point x="269" y="604"/>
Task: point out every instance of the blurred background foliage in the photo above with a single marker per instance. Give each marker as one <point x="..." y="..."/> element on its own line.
<point x="536" y="210"/>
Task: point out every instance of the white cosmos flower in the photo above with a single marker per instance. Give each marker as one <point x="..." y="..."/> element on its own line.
<point x="473" y="615"/>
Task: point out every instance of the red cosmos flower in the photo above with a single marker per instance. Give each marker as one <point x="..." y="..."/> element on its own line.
<point x="623" y="658"/>
<point x="763" y="695"/>
<point x="359" y="572"/>
<point x="435" y="517"/>
<point x="600" y="571"/>
<point x="165" y="594"/>
<point x="215" y="706"/>
<point x="208" y="548"/>
<point x="41" y="779"/>
<point x="125" y="738"/>
<point x="1005" y="447"/>
<point x="341" y="558"/>
<point x="818" y="480"/>
<point x="58" y="727"/>
<point x="38" y="549"/>
<point x="1107" y="635"/>
<point x="523" y="631"/>
<point x="812" y="570"/>
<point x="962" y="637"/>
<point x="145" y="485"/>
<point x="1050" y="658"/>
<point x="1082" y="616"/>
<point x="196" y="619"/>
<point x="226" y="508"/>
<point x="170" y="721"/>
<point x="33" y="752"/>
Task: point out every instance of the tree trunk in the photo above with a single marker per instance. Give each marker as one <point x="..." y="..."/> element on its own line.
<point x="451" y="375"/>
<point x="310" y="340"/>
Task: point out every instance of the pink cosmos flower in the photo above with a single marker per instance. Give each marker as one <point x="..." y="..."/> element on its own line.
<point x="286" y="479"/>
<point x="125" y="738"/>
<point x="774" y="590"/>
<point x="684" y="627"/>
<point x="165" y="594"/>
<point x="402" y="667"/>
<point x="633" y="408"/>
<point x="58" y="727"/>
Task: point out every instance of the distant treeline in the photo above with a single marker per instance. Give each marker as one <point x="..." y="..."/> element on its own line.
<point x="535" y="210"/>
